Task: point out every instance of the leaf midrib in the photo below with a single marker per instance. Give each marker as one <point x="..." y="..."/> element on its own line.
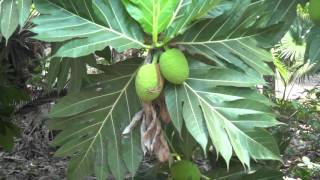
<point x="218" y="41"/>
<point x="10" y="15"/>
<point x="103" y="27"/>
<point x="95" y="97"/>
<point x="107" y="117"/>
<point x="224" y="119"/>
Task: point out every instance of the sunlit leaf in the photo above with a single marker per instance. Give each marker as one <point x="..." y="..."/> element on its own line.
<point x="153" y="15"/>
<point x="237" y="39"/>
<point x="88" y="25"/>
<point x="9" y="18"/>
<point x="186" y="12"/>
<point x="92" y="122"/>
<point x="24" y="7"/>
<point x="211" y="106"/>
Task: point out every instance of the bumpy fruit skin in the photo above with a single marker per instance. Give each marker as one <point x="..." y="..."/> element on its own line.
<point x="314" y="10"/>
<point x="148" y="82"/>
<point x="174" y="66"/>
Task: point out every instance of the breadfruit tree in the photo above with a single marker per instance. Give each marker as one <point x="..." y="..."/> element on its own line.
<point x="199" y="64"/>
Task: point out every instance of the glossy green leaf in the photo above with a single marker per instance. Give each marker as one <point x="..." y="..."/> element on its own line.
<point x="224" y="7"/>
<point x="313" y="49"/>
<point x="220" y="103"/>
<point x="283" y="12"/>
<point x="153" y="15"/>
<point x="24" y="7"/>
<point x="88" y="25"/>
<point x="92" y="121"/>
<point x="186" y="12"/>
<point x="237" y="39"/>
<point x="9" y="19"/>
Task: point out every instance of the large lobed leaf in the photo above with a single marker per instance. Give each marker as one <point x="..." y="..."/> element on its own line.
<point x="88" y="25"/>
<point x="69" y="72"/>
<point x="24" y="8"/>
<point x="12" y="14"/>
<point x="219" y="103"/>
<point x="9" y="19"/>
<point x="92" y="122"/>
<point x="186" y="12"/>
<point x="313" y="48"/>
<point x="153" y="15"/>
<point x="241" y="37"/>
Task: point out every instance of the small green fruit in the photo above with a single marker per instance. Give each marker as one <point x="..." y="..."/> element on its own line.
<point x="174" y="66"/>
<point x="185" y="170"/>
<point x="148" y="82"/>
<point x="314" y="10"/>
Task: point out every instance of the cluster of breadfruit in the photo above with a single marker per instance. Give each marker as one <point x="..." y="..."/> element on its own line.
<point x="173" y="66"/>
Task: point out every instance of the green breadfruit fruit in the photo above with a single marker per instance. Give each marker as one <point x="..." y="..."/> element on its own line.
<point x="174" y="66"/>
<point x="184" y="170"/>
<point x="314" y="10"/>
<point x="148" y="82"/>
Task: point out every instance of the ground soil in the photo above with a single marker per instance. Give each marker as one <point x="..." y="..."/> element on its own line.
<point x="32" y="157"/>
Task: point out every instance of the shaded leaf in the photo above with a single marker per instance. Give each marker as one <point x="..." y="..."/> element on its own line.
<point x="313" y="50"/>
<point x="69" y="72"/>
<point x="88" y="25"/>
<point x="92" y="122"/>
<point x="7" y="133"/>
<point x="223" y="7"/>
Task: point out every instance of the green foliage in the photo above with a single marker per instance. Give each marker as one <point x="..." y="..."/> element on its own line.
<point x="96" y="117"/>
<point x="235" y="39"/>
<point x="154" y="16"/>
<point x="7" y="133"/>
<point x="313" y="10"/>
<point x="290" y="53"/>
<point x="185" y="170"/>
<point x="12" y="14"/>
<point x="16" y="62"/>
<point x="237" y="173"/>
<point x="312" y="50"/>
<point x="312" y="53"/>
<point x="9" y="18"/>
<point x="100" y="24"/>
<point x="299" y="137"/>
<point x="228" y="53"/>
<point x="225" y="112"/>
<point x="186" y="12"/>
<point x="9" y="96"/>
